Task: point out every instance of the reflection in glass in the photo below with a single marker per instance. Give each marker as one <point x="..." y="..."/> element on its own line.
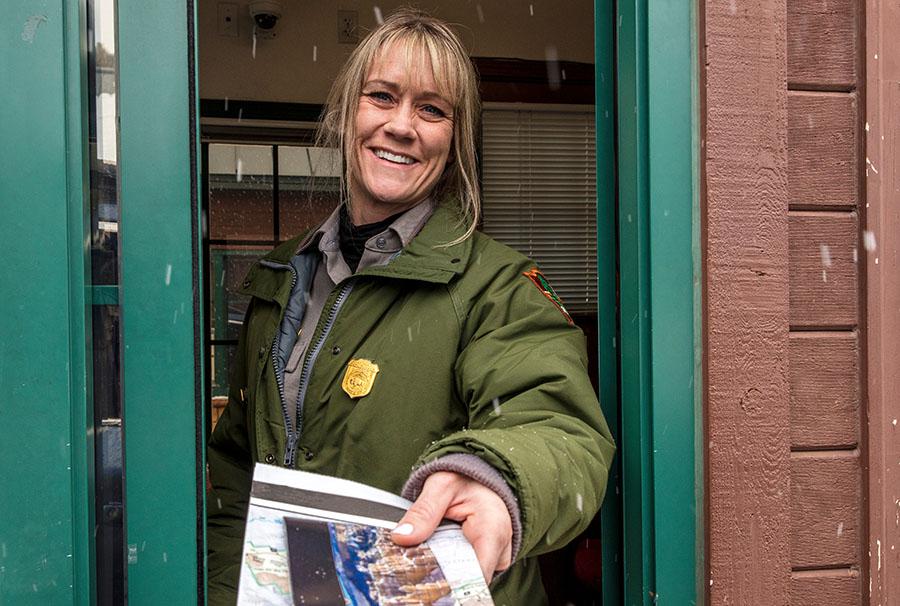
<point x="109" y="513"/>
<point x="241" y="192"/>
<point x="102" y="138"/>
<point x="105" y="338"/>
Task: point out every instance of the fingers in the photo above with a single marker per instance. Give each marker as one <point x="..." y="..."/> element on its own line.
<point x="427" y="512"/>
<point x="485" y="519"/>
<point x="492" y="546"/>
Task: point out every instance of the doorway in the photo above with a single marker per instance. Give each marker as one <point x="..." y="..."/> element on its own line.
<point x="260" y="99"/>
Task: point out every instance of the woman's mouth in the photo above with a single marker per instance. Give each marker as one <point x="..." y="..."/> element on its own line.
<point x="392" y="157"/>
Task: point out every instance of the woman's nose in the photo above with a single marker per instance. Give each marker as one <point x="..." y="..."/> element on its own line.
<point x="400" y="123"/>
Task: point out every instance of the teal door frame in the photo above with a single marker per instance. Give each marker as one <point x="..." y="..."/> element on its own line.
<point x="47" y="447"/>
<point x="652" y="521"/>
<point x="160" y="290"/>
<point x="46" y="450"/>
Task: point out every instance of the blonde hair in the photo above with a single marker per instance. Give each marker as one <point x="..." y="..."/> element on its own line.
<point x="420" y="36"/>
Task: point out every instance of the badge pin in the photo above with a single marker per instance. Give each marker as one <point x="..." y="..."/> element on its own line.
<point x="359" y="378"/>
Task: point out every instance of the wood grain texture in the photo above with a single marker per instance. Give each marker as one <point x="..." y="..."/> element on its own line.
<point x="823" y="43"/>
<point x="834" y="588"/>
<point x="823" y="270"/>
<point x="746" y="285"/>
<point x="823" y="150"/>
<point x="825" y="389"/>
<point x="883" y="301"/>
<point x="826" y="520"/>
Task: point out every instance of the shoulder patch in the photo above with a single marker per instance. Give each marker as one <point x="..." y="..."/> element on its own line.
<point x="538" y="279"/>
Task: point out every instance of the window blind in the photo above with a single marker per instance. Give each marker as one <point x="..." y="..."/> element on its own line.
<point x="539" y="194"/>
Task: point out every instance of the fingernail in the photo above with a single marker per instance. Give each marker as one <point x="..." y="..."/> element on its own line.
<point x="403" y="529"/>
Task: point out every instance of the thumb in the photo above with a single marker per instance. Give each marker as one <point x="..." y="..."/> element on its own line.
<point x="424" y="515"/>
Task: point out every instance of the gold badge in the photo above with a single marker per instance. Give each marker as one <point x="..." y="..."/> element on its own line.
<point x="359" y="378"/>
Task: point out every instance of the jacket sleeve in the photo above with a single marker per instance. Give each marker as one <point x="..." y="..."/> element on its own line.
<point x="229" y="464"/>
<point x="533" y="413"/>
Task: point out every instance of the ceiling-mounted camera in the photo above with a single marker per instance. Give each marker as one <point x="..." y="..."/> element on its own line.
<point x="266" y="14"/>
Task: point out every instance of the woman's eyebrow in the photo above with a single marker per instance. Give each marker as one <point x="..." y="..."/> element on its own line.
<point x="393" y="86"/>
<point x="382" y="83"/>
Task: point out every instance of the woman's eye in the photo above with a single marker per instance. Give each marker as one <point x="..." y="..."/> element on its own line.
<point x="433" y="111"/>
<point x="380" y="96"/>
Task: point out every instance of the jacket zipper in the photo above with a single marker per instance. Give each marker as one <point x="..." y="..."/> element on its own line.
<point x="293" y="437"/>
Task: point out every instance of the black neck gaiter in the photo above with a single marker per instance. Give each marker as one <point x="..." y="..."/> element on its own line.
<point x="353" y="238"/>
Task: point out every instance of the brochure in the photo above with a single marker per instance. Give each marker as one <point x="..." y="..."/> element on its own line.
<point x="313" y="539"/>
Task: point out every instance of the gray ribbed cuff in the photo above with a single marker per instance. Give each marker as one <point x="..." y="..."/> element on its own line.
<point x="475" y="468"/>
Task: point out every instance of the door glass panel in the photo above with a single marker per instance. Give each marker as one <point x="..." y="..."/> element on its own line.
<point x="106" y="317"/>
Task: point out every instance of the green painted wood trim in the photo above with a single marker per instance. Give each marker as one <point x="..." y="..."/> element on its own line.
<point x="80" y="302"/>
<point x="45" y="524"/>
<point x="635" y="444"/>
<point x="659" y="285"/>
<point x="201" y="345"/>
<point x="674" y="287"/>
<point x="611" y="512"/>
<point x="155" y="236"/>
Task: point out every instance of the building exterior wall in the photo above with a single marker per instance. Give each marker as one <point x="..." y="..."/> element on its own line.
<point x="827" y="311"/>
<point x="801" y="303"/>
<point x="746" y="301"/>
<point x="882" y="221"/>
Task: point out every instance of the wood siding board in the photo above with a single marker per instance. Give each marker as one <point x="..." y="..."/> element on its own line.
<point x="824" y="281"/>
<point x="746" y="281"/>
<point x="825" y="389"/>
<point x="823" y="45"/>
<point x="823" y="150"/>
<point x="882" y="268"/>
<point x="826" y="520"/>
<point x="814" y="588"/>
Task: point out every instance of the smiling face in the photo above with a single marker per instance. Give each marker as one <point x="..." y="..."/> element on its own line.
<point x="404" y="130"/>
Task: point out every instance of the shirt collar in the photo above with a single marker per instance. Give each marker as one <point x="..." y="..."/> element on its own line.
<point x="395" y="237"/>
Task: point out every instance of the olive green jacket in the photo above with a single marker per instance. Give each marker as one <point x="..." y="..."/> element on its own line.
<point x="473" y="358"/>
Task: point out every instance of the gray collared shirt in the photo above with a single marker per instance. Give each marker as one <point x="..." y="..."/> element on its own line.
<point x="332" y="270"/>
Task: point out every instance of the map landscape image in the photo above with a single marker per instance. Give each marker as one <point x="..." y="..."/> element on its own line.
<point x="373" y="570"/>
<point x="314" y="539"/>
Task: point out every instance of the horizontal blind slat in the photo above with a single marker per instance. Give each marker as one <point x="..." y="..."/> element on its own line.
<point x="539" y="195"/>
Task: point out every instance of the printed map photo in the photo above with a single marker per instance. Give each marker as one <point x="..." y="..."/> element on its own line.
<point x="307" y="546"/>
<point x="366" y="567"/>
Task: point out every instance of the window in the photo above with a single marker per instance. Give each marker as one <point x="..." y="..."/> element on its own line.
<point x="257" y="197"/>
<point x="540" y="194"/>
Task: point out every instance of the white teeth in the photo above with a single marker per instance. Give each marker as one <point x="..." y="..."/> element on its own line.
<point x="385" y="155"/>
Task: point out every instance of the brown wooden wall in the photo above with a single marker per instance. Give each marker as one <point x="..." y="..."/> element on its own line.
<point x="747" y="302"/>
<point x="785" y="337"/>
<point x="828" y="521"/>
<point x="882" y="222"/>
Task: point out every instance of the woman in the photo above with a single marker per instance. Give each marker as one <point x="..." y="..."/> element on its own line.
<point x="395" y="338"/>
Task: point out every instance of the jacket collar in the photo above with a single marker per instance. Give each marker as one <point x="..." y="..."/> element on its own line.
<point x="426" y="259"/>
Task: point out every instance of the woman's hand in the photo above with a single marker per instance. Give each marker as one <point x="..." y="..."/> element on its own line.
<point x="484" y="517"/>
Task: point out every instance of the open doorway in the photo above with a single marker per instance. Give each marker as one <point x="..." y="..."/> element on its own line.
<point x="261" y="94"/>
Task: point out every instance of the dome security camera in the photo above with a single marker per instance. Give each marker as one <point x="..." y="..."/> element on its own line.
<point x="266" y="14"/>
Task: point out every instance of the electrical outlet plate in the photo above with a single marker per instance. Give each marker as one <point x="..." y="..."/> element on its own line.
<point x="227" y="19"/>
<point x="348" y="27"/>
